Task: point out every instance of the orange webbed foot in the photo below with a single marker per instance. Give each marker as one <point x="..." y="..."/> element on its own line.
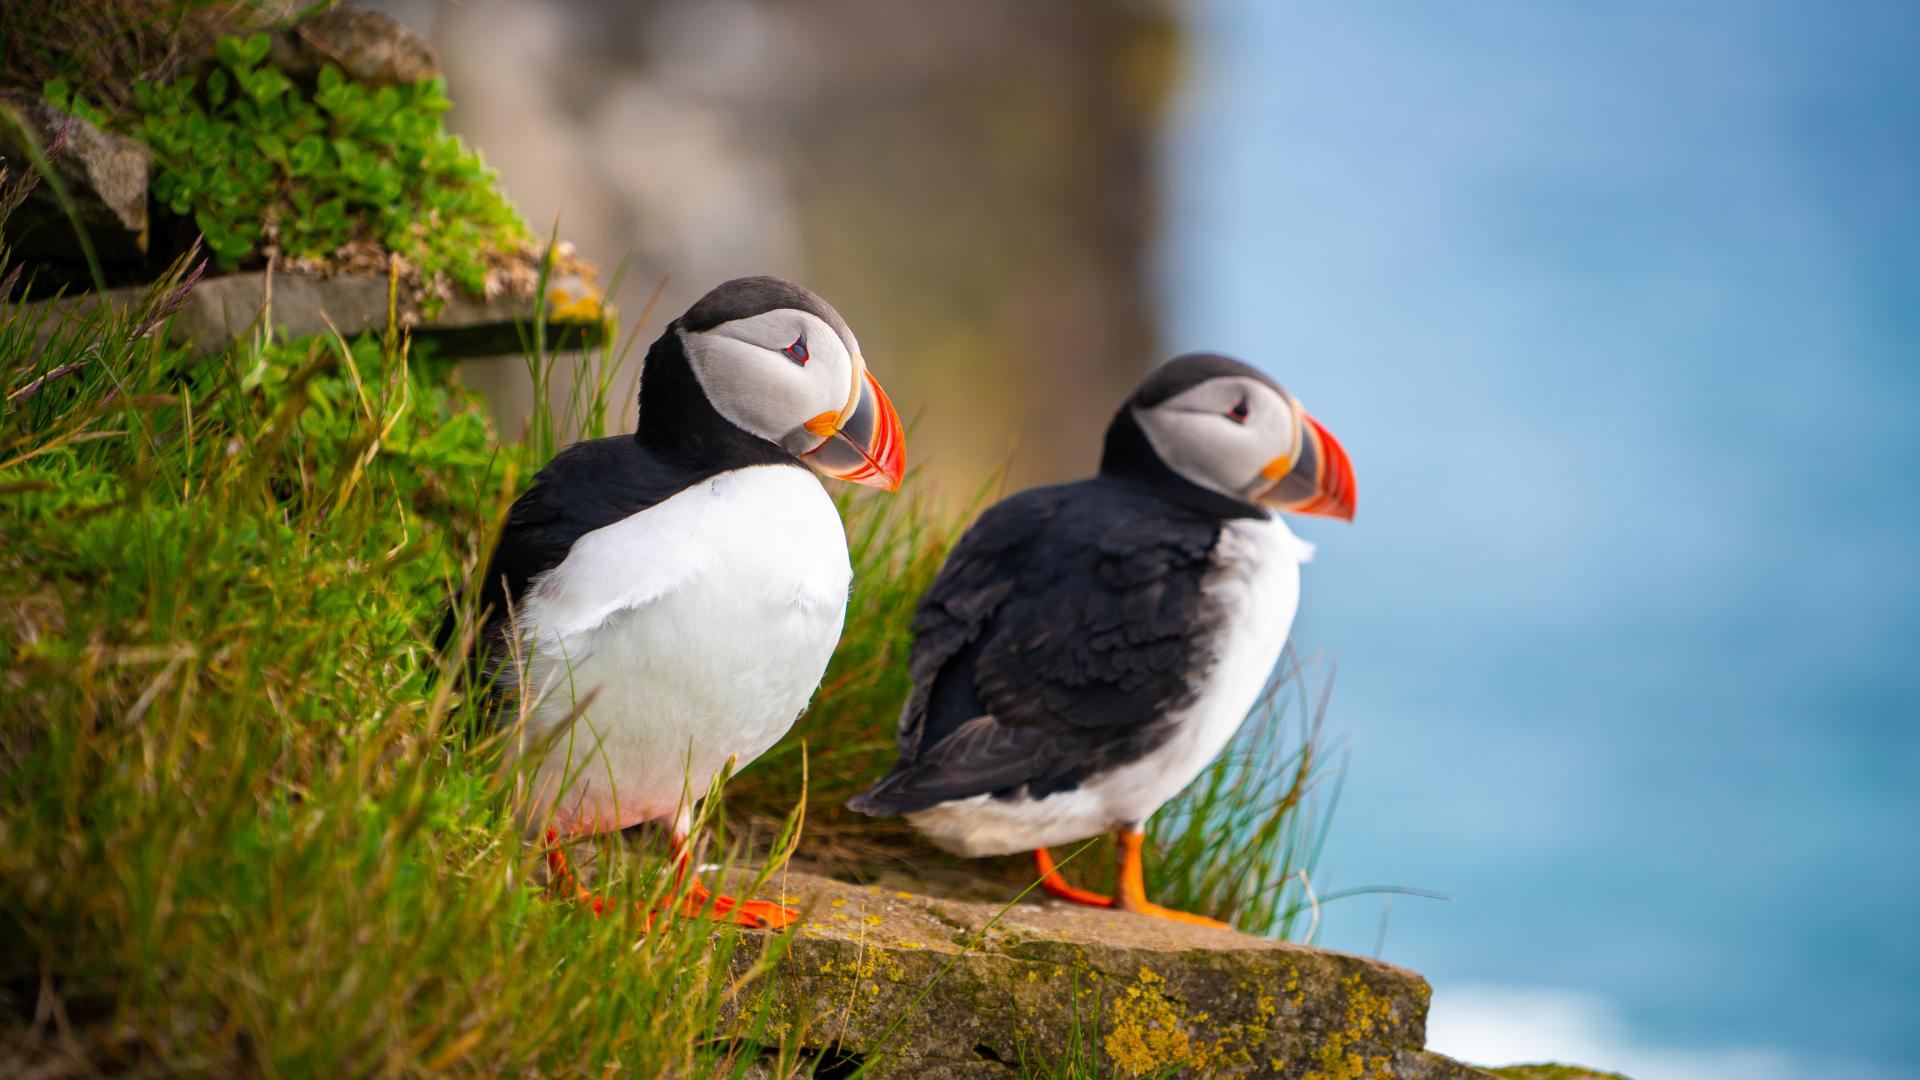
<point x="698" y="902"/>
<point x="758" y="914"/>
<point x="1132" y="886"/>
<point x="1155" y="911"/>
<point x="752" y="914"/>
<point x="561" y="877"/>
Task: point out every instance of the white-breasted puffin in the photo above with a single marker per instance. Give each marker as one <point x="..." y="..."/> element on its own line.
<point x="668" y="600"/>
<point x="1089" y="648"/>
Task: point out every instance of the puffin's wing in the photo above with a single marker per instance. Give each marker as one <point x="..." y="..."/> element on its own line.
<point x="1050" y="647"/>
<point x="960" y="608"/>
<point x="584" y="490"/>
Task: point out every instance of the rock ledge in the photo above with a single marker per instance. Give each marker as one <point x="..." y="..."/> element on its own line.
<point x="1049" y="986"/>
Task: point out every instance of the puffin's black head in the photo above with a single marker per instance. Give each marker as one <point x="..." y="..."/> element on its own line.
<point x="1216" y="429"/>
<point x="761" y="361"/>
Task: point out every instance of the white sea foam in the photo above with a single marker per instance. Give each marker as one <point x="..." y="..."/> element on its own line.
<point x="1502" y="1025"/>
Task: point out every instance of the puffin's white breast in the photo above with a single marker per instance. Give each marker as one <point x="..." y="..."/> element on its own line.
<point x="1255" y="587"/>
<point x="701" y="627"/>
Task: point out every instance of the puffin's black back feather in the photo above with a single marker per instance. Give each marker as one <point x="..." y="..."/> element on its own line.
<point x="1064" y="628"/>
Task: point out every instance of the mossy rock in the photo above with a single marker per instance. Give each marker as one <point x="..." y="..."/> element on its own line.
<point x="951" y="988"/>
<point x="1552" y="1071"/>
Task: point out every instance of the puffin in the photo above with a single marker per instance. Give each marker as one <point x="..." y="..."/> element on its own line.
<point x="1088" y="648"/>
<point x="661" y="605"/>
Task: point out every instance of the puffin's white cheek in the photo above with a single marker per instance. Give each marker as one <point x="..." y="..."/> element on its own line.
<point x="1209" y="450"/>
<point x="1227" y="455"/>
<point x="786" y="403"/>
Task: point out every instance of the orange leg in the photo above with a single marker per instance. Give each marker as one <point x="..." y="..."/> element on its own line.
<point x="696" y="901"/>
<point x="1052" y="880"/>
<point x="562" y="877"/>
<point x="1130" y="891"/>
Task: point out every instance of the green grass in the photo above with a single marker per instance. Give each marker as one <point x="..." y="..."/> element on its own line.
<point x="241" y="830"/>
<point x="107" y="47"/>
<point x="1242" y="842"/>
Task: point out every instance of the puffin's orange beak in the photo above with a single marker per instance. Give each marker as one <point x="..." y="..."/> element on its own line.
<point x="864" y="442"/>
<point x="1317" y="479"/>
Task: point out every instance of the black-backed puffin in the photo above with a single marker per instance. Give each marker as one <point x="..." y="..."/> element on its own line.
<point x="1089" y="648"/>
<point x="664" y="603"/>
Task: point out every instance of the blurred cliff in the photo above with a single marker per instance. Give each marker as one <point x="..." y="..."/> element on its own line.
<point x="972" y="185"/>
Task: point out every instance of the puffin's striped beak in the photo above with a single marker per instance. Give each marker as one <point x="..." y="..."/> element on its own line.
<point x="1316" y="479"/>
<point x="864" y="443"/>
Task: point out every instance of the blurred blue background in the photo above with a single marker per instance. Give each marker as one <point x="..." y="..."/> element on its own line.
<point x="1617" y="308"/>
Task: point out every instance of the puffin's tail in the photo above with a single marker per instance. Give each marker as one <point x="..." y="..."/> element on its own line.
<point x="885" y="798"/>
<point x="912" y="787"/>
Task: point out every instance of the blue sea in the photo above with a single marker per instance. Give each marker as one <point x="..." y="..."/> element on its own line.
<point x="1617" y="309"/>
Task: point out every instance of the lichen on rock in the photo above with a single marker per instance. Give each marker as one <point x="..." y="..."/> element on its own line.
<point x="1552" y="1071"/>
<point x="931" y="987"/>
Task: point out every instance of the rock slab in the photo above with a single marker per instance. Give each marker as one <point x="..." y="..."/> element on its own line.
<point x="221" y="310"/>
<point x="925" y="987"/>
<point x="104" y="175"/>
<point x="369" y="47"/>
<point x="1552" y="1071"/>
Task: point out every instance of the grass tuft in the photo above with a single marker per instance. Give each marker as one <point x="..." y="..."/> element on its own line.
<point x="242" y="830"/>
<point x="1242" y="842"/>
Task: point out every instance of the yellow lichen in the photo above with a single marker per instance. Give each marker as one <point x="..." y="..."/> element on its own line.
<point x="1147" y="1034"/>
<point x="1367" y="1013"/>
<point x="563" y="306"/>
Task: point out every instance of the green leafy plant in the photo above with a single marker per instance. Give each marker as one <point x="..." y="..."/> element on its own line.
<point x="61" y="96"/>
<point x="260" y="162"/>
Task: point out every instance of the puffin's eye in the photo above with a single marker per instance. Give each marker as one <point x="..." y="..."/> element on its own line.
<point x="797" y="352"/>
<point x="1239" y="413"/>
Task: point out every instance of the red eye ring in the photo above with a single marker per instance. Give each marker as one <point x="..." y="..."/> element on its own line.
<point x="797" y="352"/>
<point x="1239" y="413"/>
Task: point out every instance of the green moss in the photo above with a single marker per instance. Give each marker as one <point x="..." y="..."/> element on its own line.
<point x="261" y="163"/>
<point x="1552" y="1071"/>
